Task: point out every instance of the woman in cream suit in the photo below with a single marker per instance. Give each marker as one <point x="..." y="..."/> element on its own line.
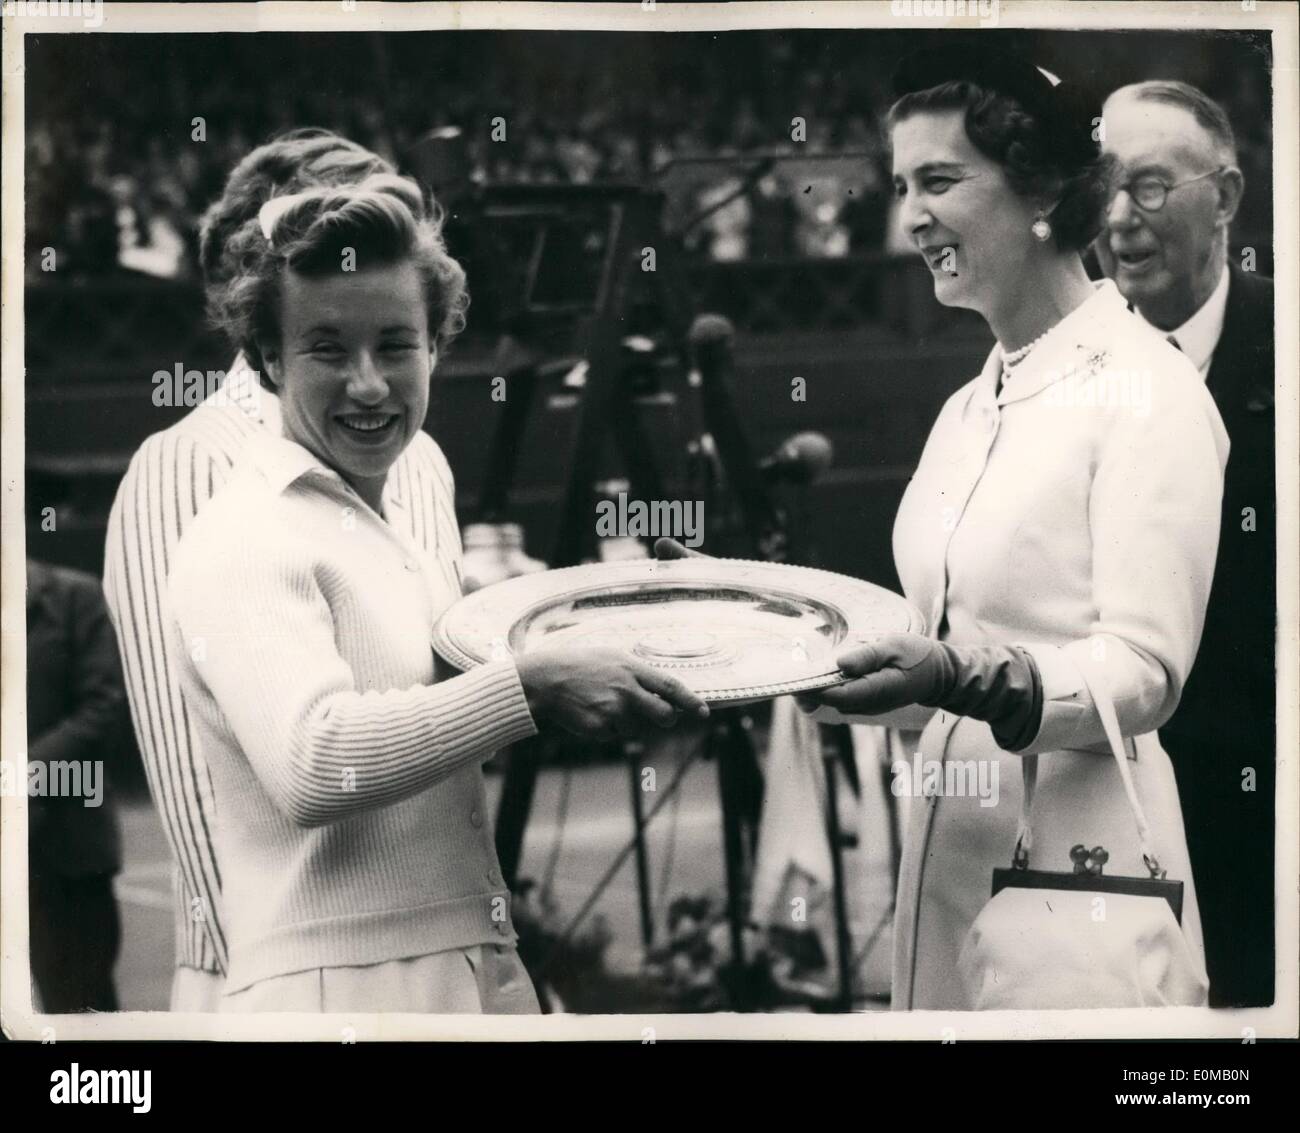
<point x="1063" y="519"/>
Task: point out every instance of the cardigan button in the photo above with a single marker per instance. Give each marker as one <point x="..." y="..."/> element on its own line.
<point x="475" y="819"/>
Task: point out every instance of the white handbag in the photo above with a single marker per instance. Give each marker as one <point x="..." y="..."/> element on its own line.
<point x="1082" y="939"/>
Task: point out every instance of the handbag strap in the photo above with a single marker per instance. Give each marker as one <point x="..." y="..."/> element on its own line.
<point x="1029" y="769"/>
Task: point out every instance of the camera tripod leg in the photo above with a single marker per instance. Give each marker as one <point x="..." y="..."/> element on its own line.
<point x="843" y="952"/>
<point x="518" y="783"/>
<point x="634" y="753"/>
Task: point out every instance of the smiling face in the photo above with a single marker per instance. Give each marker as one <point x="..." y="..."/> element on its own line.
<point x="959" y="209"/>
<point x="1167" y="262"/>
<point x="352" y="368"/>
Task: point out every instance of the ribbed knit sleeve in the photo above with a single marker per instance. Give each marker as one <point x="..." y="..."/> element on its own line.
<point x="261" y="635"/>
<point x="171" y="477"/>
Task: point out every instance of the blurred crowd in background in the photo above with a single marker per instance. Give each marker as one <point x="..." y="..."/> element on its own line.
<point x="121" y="186"/>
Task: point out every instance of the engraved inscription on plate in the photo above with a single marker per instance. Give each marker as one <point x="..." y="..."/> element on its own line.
<point x="676" y="647"/>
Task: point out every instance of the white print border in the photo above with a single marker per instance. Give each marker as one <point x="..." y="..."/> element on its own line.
<point x="503" y="15"/>
<point x="88" y="13"/>
<point x="16" y="1016"/>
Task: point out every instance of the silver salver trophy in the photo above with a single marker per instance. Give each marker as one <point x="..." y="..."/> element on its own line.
<point x="732" y="630"/>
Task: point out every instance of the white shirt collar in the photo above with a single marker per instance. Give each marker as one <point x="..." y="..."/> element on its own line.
<point x="1199" y="335"/>
<point x="282" y="462"/>
<point x="279" y="459"/>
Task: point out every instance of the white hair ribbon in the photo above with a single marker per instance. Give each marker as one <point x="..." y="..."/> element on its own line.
<point x="269" y="214"/>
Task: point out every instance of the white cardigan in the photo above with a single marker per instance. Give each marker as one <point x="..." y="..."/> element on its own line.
<point x="351" y="817"/>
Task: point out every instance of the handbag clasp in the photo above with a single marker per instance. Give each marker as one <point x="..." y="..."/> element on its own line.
<point x="1089" y="861"/>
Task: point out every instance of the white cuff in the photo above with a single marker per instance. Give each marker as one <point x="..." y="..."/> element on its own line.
<point x="1066" y="702"/>
<point x="910" y="718"/>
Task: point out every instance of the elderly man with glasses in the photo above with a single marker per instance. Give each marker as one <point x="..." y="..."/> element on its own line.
<point x="1165" y="243"/>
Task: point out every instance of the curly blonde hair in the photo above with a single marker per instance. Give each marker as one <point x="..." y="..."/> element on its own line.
<point x="288" y="163"/>
<point x="381" y="220"/>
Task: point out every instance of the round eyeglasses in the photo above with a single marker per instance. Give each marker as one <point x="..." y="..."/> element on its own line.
<point x="1149" y="192"/>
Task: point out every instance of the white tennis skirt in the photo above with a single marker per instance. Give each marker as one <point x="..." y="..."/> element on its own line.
<point x="486" y="979"/>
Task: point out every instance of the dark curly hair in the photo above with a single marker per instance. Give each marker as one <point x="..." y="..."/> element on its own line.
<point x="1035" y="161"/>
<point x="380" y="221"/>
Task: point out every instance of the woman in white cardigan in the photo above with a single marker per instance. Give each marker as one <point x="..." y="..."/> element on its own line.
<point x="1063" y="520"/>
<point x="357" y="861"/>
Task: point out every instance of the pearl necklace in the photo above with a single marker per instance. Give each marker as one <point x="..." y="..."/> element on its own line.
<point x="1015" y="357"/>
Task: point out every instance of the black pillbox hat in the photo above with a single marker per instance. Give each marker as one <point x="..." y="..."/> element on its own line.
<point x="1064" y="109"/>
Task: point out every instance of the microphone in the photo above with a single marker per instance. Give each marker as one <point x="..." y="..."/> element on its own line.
<point x="711" y="339"/>
<point x="800" y="459"/>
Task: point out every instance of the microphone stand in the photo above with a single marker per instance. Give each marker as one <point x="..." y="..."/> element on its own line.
<point x="752" y="178"/>
<point x="724" y="464"/>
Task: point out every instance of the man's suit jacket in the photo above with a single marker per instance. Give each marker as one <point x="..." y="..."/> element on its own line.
<point x="1221" y="738"/>
<point x="76" y="712"/>
<point x="1230" y="693"/>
